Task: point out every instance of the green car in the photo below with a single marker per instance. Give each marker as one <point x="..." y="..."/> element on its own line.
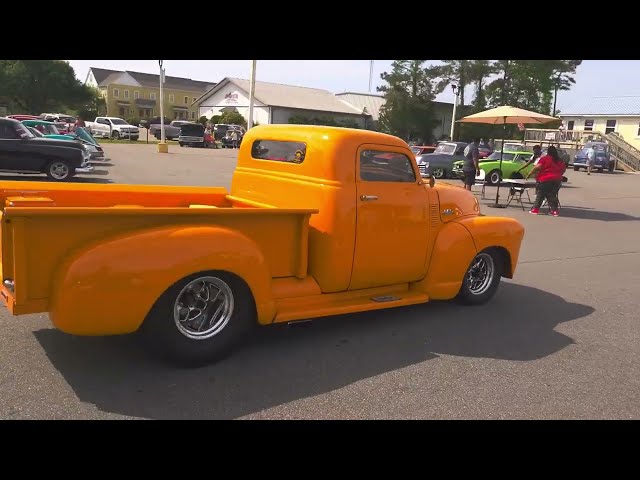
<point x="512" y="162"/>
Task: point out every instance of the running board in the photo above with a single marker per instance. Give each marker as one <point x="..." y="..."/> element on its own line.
<point x="301" y="308"/>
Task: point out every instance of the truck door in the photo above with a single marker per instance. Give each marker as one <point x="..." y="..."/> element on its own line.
<point x="392" y="227"/>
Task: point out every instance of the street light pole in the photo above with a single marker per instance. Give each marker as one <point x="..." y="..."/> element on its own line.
<point x="455" y="105"/>
<point x="252" y="91"/>
<point x="162" y="146"/>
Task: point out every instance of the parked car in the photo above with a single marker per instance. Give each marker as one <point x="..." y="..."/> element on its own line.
<point x="227" y="142"/>
<point x="484" y="151"/>
<point x="22" y="117"/>
<point x="194" y="135"/>
<point x="113" y="127"/>
<point x="80" y="134"/>
<point x="440" y="162"/>
<point x="171" y="130"/>
<point x="220" y="130"/>
<point x="23" y="152"/>
<point x="562" y="153"/>
<point x="512" y="161"/>
<point x="199" y="267"/>
<point x="603" y="159"/>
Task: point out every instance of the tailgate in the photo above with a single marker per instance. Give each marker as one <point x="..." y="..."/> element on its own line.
<point x="14" y="290"/>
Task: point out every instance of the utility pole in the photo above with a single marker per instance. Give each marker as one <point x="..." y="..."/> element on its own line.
<point x="555" y="94"/>
<point x="162" y="146"/>
<point x="252" y="91"/>
<point x="370" y="74"/>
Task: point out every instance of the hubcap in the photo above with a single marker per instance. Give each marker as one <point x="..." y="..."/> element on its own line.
<point x="59" y="171"/>
<point x="480" y="274"/>
<point x="203" y="308"/>
<point x="495" y="178"/>
<point x="438" y="172"/>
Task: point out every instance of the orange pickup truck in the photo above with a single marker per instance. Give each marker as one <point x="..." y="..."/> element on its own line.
<point x="318" y="221"/>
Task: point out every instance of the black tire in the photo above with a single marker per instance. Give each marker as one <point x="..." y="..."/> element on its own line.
<point x="487" y="289"/>
<point x="181" y="144"/>
<point x="576" y="169"/>
<point x="163" y="336"/>
<point x="494" y="174"/>
<point x="134" y="138"/>
<point x="59" y="170"/>
<point x="115" y="135"/>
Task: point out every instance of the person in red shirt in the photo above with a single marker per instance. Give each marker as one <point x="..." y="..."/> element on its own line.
<point x="549" y="171"/>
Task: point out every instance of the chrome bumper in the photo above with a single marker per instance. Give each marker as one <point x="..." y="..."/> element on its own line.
<point x="85" y="169"/>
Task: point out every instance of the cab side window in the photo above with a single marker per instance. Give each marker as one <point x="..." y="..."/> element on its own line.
<point x="381" y="166"/>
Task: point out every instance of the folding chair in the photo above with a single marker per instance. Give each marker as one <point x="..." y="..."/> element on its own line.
<point x="516" y="192"/>
<point x="481" y="181"/>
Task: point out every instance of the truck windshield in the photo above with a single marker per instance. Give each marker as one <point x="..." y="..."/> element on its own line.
<point x="118" y="121"/>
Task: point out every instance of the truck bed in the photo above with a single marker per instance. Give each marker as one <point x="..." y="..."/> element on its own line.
<point x="43" y="223"/>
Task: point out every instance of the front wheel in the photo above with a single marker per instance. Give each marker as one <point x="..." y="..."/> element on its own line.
<point x="494" y="177"/>
<point x="481" y="280"/>
<point x="200" y="319"/>
<point x="115" y="135"/>
<point x="575" y="169"/>
<point x="59" y="171"/>
<point x="439" y="172"/>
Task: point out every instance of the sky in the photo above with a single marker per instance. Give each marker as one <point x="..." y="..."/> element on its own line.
<point x="593" y="77"/>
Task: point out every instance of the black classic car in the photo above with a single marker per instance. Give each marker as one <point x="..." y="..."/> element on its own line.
<point x="23" y="152"/>
<point x="440" y="163"/>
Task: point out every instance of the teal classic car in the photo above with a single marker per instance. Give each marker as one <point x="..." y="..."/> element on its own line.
<point x="80" y="134"/>
<point x="512" y="162"/>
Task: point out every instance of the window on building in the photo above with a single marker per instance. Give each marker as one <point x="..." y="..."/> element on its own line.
<point x="116" y="93"/>
<point x="611" y="127"/>
<point x="588" y="125"/>
<point x="570" y="124"/>
<point x="126" y="94"/>
<point x="291" y="152"/>
<point x="172" y="98"/>
<point x="639" y="129"/>
<point x="381" y="166"/>
<point x="194" y="99"/>
<point x="152" y="96"/>
<point x="136" y="95"/>
<point x="186" y="100"/>
<point x="193" y="115"/>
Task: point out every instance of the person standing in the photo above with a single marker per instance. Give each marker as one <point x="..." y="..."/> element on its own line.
<point x="549" y="171"/>
<point x="470" y="167"/>
<point x="591" y="158"/>
<point x="234" y="139"/>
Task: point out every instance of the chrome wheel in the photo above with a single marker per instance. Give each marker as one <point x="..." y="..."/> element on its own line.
<point x="495" y="178"/>
<point x="480" y="274"/>
<point x="59" y="170"/>
<point x="438" y="172"/>
<point x="203" y="308"/>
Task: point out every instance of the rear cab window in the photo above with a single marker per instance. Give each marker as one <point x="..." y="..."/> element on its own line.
<point x="279" y="151"/>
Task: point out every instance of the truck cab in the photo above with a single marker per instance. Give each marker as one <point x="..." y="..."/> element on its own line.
<point x="319" y="221"/>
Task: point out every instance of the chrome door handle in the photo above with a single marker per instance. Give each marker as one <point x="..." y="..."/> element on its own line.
<point x="368" y="198"/>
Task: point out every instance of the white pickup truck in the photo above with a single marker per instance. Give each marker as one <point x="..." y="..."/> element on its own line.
<point x="112" y="127"/>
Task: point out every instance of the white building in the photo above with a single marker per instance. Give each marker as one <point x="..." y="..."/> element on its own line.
<point x="277" y="103"/>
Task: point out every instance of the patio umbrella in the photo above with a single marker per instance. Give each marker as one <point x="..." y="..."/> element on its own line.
<point x="502" y="116"/>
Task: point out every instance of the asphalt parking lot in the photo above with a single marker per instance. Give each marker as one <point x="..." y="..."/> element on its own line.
<point x="559" y="341"/>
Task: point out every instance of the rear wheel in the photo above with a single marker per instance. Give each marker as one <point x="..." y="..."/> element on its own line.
<point x="200" y="319"/>
<point x="576" y="169"/>
<point x="481" y="279"/>
<point x="115" y="135"/>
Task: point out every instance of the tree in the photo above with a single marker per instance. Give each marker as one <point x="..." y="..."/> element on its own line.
<point x="36" y="86"/>
<point x="215" y="119"/>
<point x="233" y="118"/>
<point x="455" y="72"/>
<point x="203" y="120"/>
<point x="95" y="107"/>
<point x="409" y="93"/>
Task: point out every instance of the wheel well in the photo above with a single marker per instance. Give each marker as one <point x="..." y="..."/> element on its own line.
<point x="503" y="254"/>
<point x="204" y="273"/>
